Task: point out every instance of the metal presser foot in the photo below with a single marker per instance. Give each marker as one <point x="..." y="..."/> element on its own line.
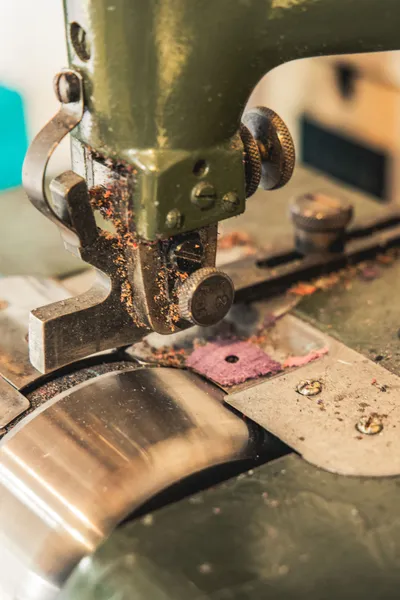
<point x="140" y="286"/>
<point x="163" y="285"/>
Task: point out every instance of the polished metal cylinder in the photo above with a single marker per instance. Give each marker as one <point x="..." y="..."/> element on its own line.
<point x="83" y="461"/>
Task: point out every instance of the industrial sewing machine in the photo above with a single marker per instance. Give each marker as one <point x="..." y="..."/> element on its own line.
<point x="110" y="445"/>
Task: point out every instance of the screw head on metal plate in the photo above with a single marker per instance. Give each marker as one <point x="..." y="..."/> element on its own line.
<point x="370" y="425"/>
<point x="309" y="387"/>
<point x="204" y="195"/>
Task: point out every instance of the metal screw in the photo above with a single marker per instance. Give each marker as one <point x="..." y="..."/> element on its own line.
<point x="173" y="219"/>
<point x="188" y="254"/>
<point x="204" y="195"/>
<point x="309" y="387"/>
<point x="231" y="202"/>
<point x="370" y="425"/>
<point x="80" y="41"/>
<point x="67" y="87"/>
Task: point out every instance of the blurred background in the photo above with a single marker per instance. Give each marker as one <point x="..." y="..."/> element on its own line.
<point x="343" y="112"/>
<point x="32" y="50"/>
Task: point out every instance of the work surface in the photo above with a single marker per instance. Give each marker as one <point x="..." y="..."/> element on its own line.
<point x="283" y="531"/>
<point x="287" y="529"/>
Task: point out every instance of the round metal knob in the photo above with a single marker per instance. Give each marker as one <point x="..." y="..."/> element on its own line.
<point x="320" y="222"/>
<point x="252" y="161"/>
<point x="275" y="146"/>
<point x="205" y="297"/>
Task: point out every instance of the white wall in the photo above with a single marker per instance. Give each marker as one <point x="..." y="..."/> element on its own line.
<point x="284" y="90"/>
<point x="32" y="50"/>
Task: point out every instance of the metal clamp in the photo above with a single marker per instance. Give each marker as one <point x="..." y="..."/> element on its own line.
<point x="69" y="330"/>
<point x="68" y="86"/>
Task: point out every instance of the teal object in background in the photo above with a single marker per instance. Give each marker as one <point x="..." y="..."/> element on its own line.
<point x="13" y="138"/>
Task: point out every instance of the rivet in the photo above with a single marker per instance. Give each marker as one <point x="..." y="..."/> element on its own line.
<point x="370" y="425"/>
<point x="231" y="202"/>
<point x="309" y="387"/>
<point x="173" y="219"/>
<point x="67" y="87"/>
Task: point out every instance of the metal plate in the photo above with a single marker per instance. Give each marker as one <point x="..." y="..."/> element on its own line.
<point x="18" y="296"/>
<point x="323" y="428"/>
<point x="12" y="403"/>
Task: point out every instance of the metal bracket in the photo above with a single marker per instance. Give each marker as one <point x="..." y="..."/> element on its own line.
<point x="68" y="85"/>
<point x="97" y="320"/>
<point x="74" y="328"/>
<point x="136" y="290"/>
<point x="345" y="424"/>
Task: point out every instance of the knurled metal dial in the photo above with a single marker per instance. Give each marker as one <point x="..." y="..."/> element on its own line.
<point x="275" y="145"/>
<point x="252" y="161"/>
<point x="205" y="297"/>
<point x="319" y="212"/>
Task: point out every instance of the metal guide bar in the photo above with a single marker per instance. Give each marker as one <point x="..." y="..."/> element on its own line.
<point x="276" y="272"/>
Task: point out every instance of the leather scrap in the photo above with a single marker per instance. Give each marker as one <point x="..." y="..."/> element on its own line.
<point x="230" y="362"/>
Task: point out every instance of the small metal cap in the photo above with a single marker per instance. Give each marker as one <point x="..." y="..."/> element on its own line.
<point x="320" y="223"/>
<point x="319" y="212"/>
<point x="205" y="297"/>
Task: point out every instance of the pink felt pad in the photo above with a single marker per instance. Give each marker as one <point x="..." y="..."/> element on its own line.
<point x="245" y="361"/>
<point x="300" y="361"/>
